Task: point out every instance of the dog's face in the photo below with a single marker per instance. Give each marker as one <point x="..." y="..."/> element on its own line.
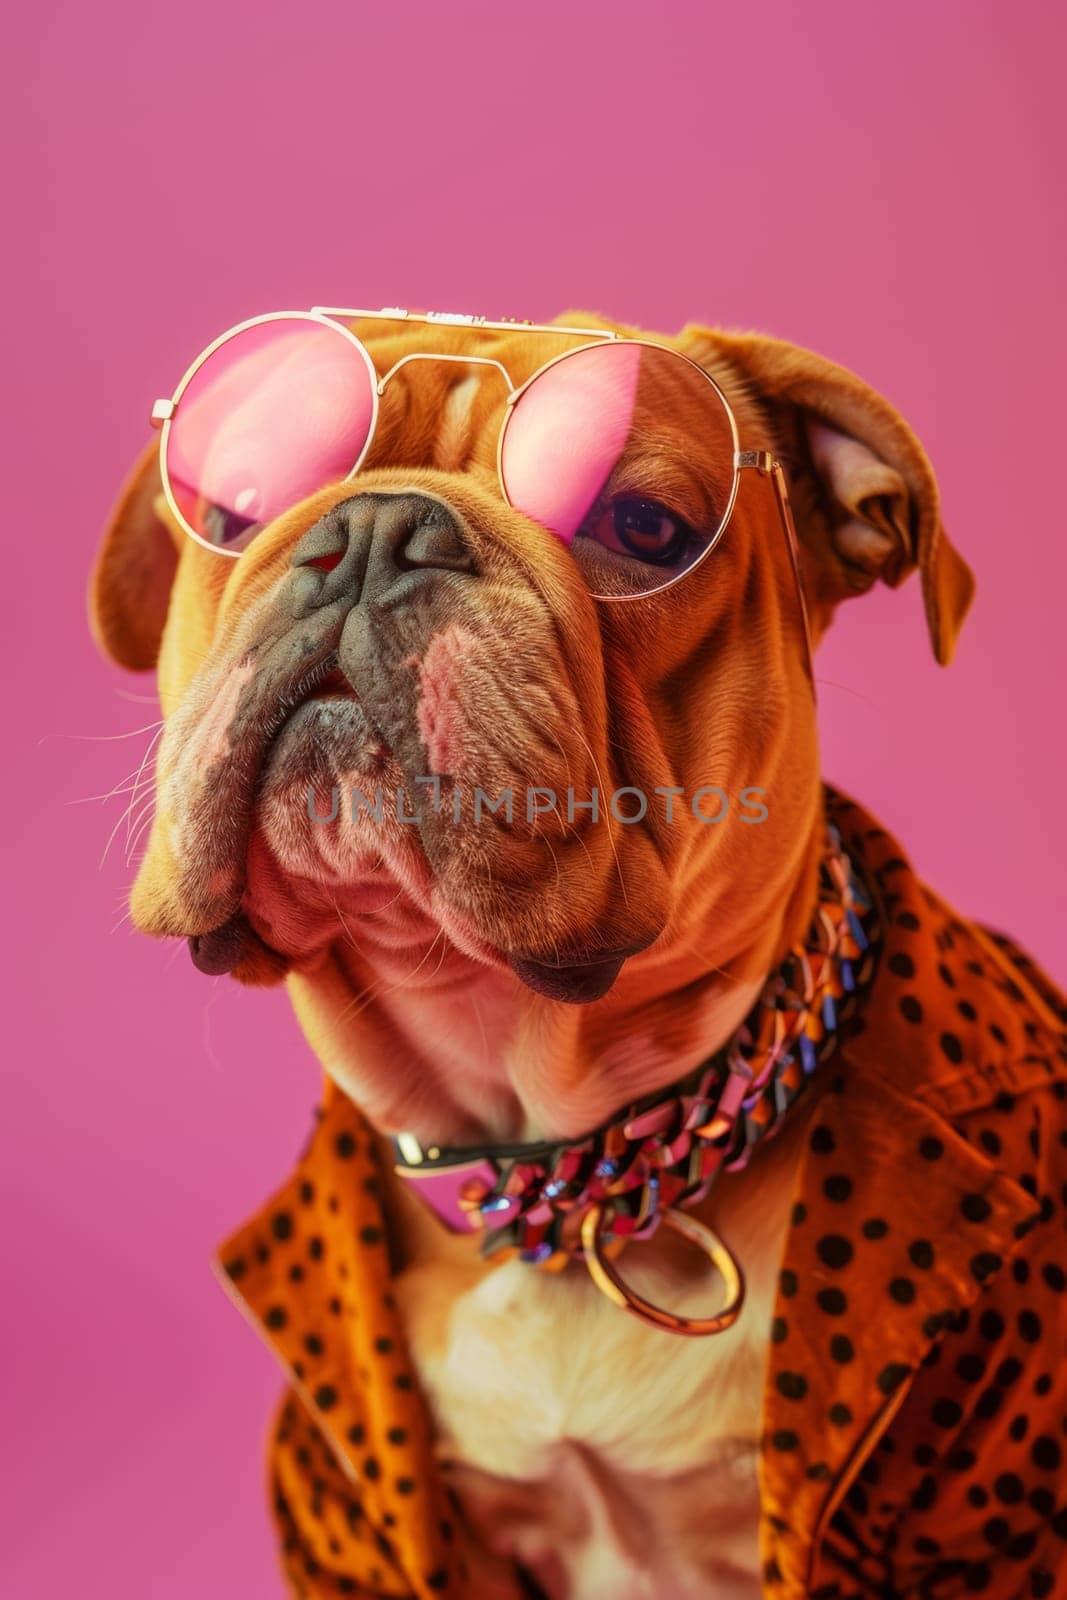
<point x="403" y="639"/>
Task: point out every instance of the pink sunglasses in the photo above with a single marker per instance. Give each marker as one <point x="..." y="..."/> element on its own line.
<point x="284" y="404"/>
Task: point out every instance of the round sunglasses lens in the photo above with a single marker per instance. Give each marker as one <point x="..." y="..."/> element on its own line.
<point x="280" y="409"/>
<point x="625" y="452"/>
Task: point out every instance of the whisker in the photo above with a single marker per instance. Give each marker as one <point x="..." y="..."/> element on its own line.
<point x="100" y="738"/>
<point x="847" y="688"/>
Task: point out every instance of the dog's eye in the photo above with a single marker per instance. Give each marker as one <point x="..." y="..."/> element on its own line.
<point x="226" y="528"/>
<point x="644" y="529"/>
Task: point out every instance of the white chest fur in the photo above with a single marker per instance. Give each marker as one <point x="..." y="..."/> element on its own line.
<point x="606" y="1457"/>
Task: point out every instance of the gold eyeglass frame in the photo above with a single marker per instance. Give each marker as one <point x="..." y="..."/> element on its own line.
<point x="334" y="317"/>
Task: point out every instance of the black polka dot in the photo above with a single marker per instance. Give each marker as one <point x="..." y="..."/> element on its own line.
<point x="792" y="1385"/>
<point x="910" y="1008"/>
<point x="1008" y="1488"/>
<point x="1045" y="1453"/>
<point x="975" y="1207"/>
<point x="1029" y="1326"/>
<point x="837" y="1188"/>
<point x="1053" y="1275"/>
<point x="931" y="1148"/>
<point x="345" y="1145"/>
<point x="822" y="1140"/>
<point x="892" y="1376"/>
<point x="875" y="1228"/>
<point x="281" y="1225"/>
<point x="989" y="1401"/>
<point x="784" y="1439"/>
<point x="926" y="1493"/>
<point x="325" y="1397"/>
<point x="787" y="1283"/>
<point x="921" y="1253"/>
<point x="840" y="1415"/>
<point x="276" y="1317"/>
<point x="834" y="1250"/>
<point x="971" y="1368"/>
<point x="984" y="1264"/>
<point x="832" y="1301"/>
<point x="779" y="1330"/>
<point x="902" y="1290"/>
<point x="991" y="1325"/>
<point x="946" y="1413"/>
<point x="841" y="1349"/>
<point x="901" y="965"/>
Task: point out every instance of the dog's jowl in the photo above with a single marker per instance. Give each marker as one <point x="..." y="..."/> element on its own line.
<point x="684" y="1215"/>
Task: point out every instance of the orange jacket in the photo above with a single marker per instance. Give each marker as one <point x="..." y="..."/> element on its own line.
<point x="915" y="1405"/>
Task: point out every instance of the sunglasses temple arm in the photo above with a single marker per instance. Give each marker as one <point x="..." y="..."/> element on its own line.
<point x="769" y="466"/>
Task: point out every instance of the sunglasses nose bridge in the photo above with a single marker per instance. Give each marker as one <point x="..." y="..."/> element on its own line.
<point x="442" y="355"/>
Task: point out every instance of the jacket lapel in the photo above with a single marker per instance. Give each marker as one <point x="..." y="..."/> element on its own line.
<point x="311" y="1271"/>
<point x="898" y="1222"/>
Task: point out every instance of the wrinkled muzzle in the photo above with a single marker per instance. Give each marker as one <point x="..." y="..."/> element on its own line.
<point x="399" y="715"/>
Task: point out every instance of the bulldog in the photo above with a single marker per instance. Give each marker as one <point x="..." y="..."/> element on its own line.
<point x="683" y="1218"/>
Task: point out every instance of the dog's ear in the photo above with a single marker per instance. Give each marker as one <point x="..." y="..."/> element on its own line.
<point x="867" y="505"/>
<point x="129" y="591"/>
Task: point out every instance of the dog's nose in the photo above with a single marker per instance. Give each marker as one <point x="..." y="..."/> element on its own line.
<point x="370" y="540"/>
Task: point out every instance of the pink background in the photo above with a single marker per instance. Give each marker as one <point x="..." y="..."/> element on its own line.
<point x="882" y="184"/>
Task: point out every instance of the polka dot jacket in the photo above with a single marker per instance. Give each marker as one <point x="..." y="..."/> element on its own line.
<point x="915" y="1406"/>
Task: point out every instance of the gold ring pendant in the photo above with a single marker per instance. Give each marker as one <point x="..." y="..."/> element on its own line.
<point x="609" y="1282"/>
